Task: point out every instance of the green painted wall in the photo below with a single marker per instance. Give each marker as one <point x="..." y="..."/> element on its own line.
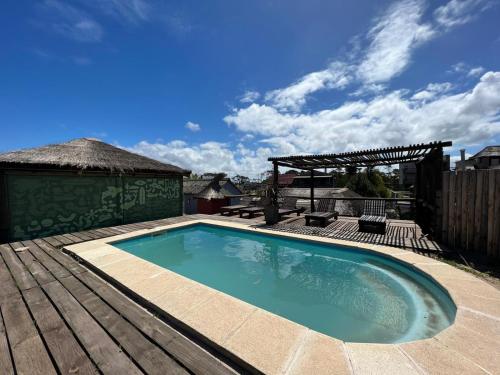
<point x="41" y="205"/>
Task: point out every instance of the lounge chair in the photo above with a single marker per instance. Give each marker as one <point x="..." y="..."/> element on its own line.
<point x="229" y="210"/>
<point x="289" y="206"/>
<point x="255" y="208"/>
<point x="374" y="217"/>
<point x="325" y="211"/>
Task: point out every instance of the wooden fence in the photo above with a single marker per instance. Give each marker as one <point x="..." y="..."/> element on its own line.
<point x="471" y="211"/>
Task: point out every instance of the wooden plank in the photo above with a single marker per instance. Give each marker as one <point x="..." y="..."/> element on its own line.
<point x="8" y="286"/>
<point x="490" y="251"/>
<point x="484" y="221"/>
<point x="69" y="357"/>
<point x="74" y="239"/>
<point x="82" y="236"/>
<point x="495" y="253"/>
<point x="38" y="271"/>
<point x="147" y="355"/>
<point x="463" y="212"/>
<point x="106" y="232"/>
<point x="184" y="350"/>
<point x="48" y="262"/>
<point x="96" y="234"/>
<point x="6" y="366"/>
<point x="478" y="211"/>
<point x="23" y="278"/>
<point x="69" y="263"/>
<point x="105" y="353"/>
<point x="451" y="211"/>
<point x="53" y="241"/>
<point x="28" y="351"/>
<point x="63" y="239"/>
<point x="445" y="197"/>
<point x="458" y="209"/>
<point x="471" y="200"/>
<point x="88" y="233"/>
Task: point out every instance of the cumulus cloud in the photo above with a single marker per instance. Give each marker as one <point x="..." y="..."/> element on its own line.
<point x="208" y="157"/>
<point x="193" y="126"/>
<point x="394" y="118"/>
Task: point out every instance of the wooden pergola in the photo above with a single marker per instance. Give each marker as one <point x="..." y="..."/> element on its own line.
<point x="429" y="158"/>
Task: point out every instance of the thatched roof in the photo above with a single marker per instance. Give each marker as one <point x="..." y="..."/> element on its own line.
<point x="85" y="154"/>
<point x="209" y="189"/>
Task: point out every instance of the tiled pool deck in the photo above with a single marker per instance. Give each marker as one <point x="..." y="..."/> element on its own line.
<point x="275" y="345"/>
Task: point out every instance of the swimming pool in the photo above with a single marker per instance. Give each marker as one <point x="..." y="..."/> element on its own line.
<point x="346" y="293"/>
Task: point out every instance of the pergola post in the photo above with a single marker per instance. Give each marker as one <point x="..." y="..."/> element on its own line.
<point x="312" y="190"/>
<point x="275" y="184"/>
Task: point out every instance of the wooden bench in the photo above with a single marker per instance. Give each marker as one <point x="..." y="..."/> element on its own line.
<point x="251" y="211"/>
<point x="326" y="211"/>
<point x="229" y="210"/>
<point x="289" y="207"/>
<point x="374" y="217"/>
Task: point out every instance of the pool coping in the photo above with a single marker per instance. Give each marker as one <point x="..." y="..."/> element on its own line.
<point x="273" y="344"/>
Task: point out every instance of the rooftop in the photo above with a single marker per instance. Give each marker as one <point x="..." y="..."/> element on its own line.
<point x="85" y="154"/>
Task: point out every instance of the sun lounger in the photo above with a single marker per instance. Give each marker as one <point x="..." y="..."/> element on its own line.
<point x="325" y="211"/>
<point x="251" y="211"/>
<point x="289" y="207"/>
<point x="374" y="217"/>
<point x="229" y="210"/>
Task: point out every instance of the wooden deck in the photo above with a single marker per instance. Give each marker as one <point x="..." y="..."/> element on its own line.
<point x="400" y="233"/>
<point x="59" y="317"/>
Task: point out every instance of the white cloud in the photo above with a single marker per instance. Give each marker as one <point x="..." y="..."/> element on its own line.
<point x="396" y="118"/>
<point x="393" y="39"/>
<point x="208" y="157"/>
<point x="249" y="96"/>
<point x="72" y="23"/>
<point x="294" y="96"/>
<point x="390" y="119"/>
<point x="432" y="90"/>
<point x="474" y="72"/>
<point x="459" y="12"/>
<point x="193" y="126"/>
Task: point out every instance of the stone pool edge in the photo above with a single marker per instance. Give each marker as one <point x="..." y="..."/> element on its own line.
<point x="273" y="344"/>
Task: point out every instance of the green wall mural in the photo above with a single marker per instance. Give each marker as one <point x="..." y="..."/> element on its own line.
<point x="45" y="205"/>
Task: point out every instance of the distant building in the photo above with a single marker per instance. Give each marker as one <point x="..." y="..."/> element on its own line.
<point x="487" y="158"/>
<point x="407" y="174"/>
<point x="323" y="181"/>
<point x="304" y="181"/>
<point x="203" y="196"/>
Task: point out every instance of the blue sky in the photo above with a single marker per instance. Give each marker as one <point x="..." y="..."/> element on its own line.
<point x="222" y="85"/>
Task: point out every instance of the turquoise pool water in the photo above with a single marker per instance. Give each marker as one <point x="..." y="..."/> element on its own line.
<point x="345" y="293"/>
